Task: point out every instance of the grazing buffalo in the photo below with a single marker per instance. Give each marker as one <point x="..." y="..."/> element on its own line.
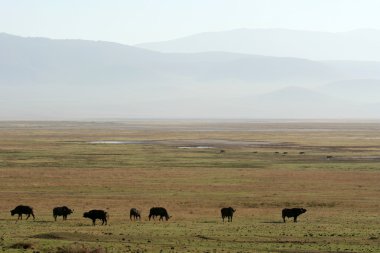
<point x="329" y="157"/>
<point x="61" y="211"/>
<point x="159" y="211"/>
<point x="96" y="214"/>
<point x="292" y="212"/>
<point x="135" y="214"/>
<point x="301" y="153"/>
<point x="227" y="212"/>
<point x="20" y="210"/>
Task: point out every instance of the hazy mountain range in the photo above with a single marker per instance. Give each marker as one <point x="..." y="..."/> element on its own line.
<point x="357" y="45"/>
<point x="75" y="79"/>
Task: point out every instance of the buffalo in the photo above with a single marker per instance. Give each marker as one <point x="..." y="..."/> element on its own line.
<point x="292" y="212"/>
<point x="61" y="211"/>
<point x="20" y="210"/>
<point x="159" y="211"/>
<point x="227" y="212"/>
<point x="96" y="214"/>
<point x="135" y="214"/>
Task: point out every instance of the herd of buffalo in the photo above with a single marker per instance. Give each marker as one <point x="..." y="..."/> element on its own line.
<point x="135" y="214"/>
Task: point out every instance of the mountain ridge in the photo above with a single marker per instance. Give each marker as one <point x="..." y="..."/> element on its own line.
<point x="54" y="79"/>
<point x="359" y="44"/>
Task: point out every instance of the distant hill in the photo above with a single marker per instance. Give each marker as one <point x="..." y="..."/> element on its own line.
<point x="296" y="102"/>
<point x="357" y="45"/>
<point x="359" y="90"/>
<point x="356" y="69"/>
<point x="64" y="79"/>
<point x="28" y="61"/>
<point x="286" y="103"/>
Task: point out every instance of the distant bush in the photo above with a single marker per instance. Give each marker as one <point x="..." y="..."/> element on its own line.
<point x="21" y="245"/>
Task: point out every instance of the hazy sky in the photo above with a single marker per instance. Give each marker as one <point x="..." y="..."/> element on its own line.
<point x="135" y="21"/>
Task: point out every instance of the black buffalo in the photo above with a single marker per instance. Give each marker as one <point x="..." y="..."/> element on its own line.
<point x="159" y="211"/>
<point x="292" y="212"/>
<point x="135" y="214"/>
<point x="227" y="212"/>
<point x="61" y="211"/>
<point x="96" y="214"/>
<point x="20" y="210"/>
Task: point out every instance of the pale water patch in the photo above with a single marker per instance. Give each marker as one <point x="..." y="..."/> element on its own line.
<point x="198" y="147"/>
<point x="189" y="143"/>
<point x="115" y="142"/>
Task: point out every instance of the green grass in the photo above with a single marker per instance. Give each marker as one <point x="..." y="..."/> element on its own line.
<point x="48" y="164"/>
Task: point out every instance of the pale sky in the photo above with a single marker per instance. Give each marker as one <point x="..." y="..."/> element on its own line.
<point x="131" y="22"/>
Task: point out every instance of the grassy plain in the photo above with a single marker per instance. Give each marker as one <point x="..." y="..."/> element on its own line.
<point x="48" y="164"/>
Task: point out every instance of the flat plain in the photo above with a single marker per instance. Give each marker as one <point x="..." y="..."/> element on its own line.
<point x="193" y="169"/>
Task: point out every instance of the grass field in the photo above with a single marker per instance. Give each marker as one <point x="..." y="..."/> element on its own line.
<point x="178" y="165"/>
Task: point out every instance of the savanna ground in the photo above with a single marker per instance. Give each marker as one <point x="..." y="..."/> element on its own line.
<point x="48" y="164"/>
